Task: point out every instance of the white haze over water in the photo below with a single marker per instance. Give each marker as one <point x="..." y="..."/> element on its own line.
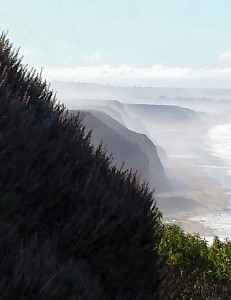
<point x="219" y="141"/>
<point x="156" y="75"/>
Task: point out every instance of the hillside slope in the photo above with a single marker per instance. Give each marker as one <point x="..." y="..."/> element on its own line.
<point x="71" y="225"/>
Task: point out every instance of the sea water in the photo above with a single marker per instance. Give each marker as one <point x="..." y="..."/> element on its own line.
<point x="217" y="164"/>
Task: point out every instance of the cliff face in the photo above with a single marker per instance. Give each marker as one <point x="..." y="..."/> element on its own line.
<point x="134" y="149"/>
<point x="123" y="150"/>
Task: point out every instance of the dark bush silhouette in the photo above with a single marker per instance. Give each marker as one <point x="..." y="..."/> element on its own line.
<point x="71" y="225"/>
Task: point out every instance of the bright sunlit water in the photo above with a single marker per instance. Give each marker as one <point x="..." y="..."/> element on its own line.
<point x="218" y="165"/>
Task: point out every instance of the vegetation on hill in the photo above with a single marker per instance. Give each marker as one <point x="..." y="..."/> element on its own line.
<point x="72" y="226"/>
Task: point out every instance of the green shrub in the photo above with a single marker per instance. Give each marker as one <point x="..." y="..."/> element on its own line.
<point x="193" y="269"/>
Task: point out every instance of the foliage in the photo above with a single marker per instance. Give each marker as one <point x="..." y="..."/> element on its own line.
<point x="71" y="225"/>
<point x="193" y="269"/>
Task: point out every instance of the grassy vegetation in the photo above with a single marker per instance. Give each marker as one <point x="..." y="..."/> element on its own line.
<point x="71" y="225"/>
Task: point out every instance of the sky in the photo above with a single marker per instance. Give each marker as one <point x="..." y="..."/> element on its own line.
<point x="124" y="42"/>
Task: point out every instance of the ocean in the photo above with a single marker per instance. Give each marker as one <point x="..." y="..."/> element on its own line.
<point x="217" y="164"/>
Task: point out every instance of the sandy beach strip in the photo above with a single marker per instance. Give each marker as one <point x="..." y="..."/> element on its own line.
<point x="197" y="195"/>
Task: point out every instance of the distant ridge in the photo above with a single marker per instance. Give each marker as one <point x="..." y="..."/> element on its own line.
<point x="74" y="90"/>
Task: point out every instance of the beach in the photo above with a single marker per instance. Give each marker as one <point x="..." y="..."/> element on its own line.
<point x="196" y="197"/>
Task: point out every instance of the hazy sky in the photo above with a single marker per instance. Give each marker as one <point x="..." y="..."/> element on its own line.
<point x="128" y="42"/>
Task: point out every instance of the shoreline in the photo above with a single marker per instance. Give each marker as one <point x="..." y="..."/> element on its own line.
<point x="199" y="195"/>
<point x="192" y="227"/>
